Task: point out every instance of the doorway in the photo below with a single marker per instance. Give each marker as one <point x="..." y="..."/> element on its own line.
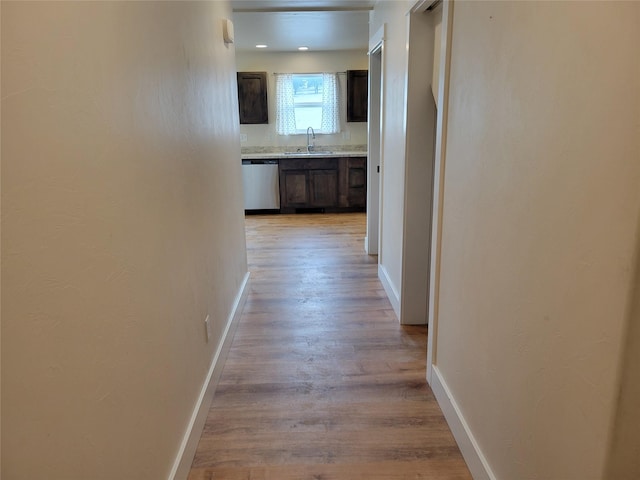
<point x="375" y="128"/>
<point x="421" y="115"/>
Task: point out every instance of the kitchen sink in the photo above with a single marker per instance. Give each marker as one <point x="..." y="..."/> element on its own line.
<point x="314" y="152"/>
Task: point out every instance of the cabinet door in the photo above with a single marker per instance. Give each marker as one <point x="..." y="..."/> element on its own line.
<point x="357" y="182"/>
<point x="323" y="188"/>
<point x="357" y="95"/>
<point x="294" y="188"/>
<point x="252" y="97"/>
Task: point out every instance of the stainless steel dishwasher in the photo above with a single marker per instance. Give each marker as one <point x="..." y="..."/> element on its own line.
<point x="261" y="185"/>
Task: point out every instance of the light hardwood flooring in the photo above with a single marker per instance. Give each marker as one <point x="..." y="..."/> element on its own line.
<point x="321" y="382"/>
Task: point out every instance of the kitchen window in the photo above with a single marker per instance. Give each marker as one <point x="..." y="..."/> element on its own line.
<point x="307" y="100"/>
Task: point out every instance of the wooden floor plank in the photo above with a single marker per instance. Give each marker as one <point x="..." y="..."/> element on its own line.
<point x="321" y="382"/>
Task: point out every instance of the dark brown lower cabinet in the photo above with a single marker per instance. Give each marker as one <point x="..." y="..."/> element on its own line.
<point x="294" y="188"/>
<point x="357" y="182"/>
<point x="328" y="183"/>
<point x="323" y="188"/>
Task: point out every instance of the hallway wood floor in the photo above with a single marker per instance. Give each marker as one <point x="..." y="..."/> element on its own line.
<point x="321" y="382"/>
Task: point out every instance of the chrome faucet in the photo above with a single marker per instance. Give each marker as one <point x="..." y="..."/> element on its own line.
<point x="310" y="145"/>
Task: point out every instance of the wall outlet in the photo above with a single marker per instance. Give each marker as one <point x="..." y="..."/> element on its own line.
<point x="243" y="137"/>
<point x="207" y="326"/>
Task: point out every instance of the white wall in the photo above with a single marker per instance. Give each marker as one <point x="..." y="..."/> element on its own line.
<point x="122" y="228"/>
<point x="0" y="260"/>
<point x="264" y="135"/>
<point x="541" y="209"/>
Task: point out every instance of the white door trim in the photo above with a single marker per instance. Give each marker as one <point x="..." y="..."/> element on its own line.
<point x="420" y="127"/>
<point x="438" y="186"/>
<point x="375" y="143"/>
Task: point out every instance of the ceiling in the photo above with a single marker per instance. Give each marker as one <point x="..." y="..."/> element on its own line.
<point x="297" y="4"/>
<point x="285" y="25"/>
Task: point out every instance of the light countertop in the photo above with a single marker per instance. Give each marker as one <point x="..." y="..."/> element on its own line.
<point x="320" y="154"/>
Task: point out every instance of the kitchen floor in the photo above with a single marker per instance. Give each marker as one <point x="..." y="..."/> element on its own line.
<point x="321" y="382"/>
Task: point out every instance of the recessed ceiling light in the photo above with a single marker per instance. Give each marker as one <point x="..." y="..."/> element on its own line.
<point x="302" y="49"/>
<point x="261" y="46"/>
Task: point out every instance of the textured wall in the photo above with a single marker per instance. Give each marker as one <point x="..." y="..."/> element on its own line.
<point x="541" y="205"/>
<point x="122" y="229"/>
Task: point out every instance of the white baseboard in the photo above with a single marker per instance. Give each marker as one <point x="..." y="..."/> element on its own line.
<point x="476" y="461"/>
<point x="187" y="451"/>
<point x="392" y="293"/>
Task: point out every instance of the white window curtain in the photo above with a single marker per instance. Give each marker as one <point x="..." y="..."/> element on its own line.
<point x="285" y="112"/>
<point x="330" y="104"/>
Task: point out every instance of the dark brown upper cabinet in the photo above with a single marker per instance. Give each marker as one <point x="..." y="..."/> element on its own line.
<point x="357" y="95"/>
<point x="252" y="97"/>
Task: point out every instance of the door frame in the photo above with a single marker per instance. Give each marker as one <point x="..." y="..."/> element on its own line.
<point x="438" y="187"/>
<point x="375" y="127"/>
<point x="420" y="126"/>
